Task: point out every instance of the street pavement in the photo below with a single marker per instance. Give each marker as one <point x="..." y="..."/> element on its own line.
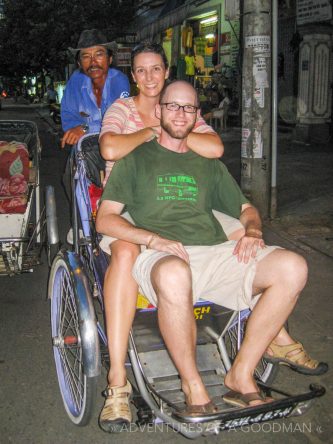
<point x="31" y="409"/>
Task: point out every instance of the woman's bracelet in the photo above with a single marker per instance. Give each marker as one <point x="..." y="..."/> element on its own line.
<point x="155" y="132"/>
<point x="152" y="237"/>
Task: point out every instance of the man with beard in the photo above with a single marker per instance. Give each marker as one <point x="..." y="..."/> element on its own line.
<point x="92" y="88"/>
<point x="170" y="193"/>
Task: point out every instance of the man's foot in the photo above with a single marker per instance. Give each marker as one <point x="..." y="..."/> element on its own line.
<point x="295" y="357"/>
<point x="243" y="389"/>
<point x="246" y="399"/>
<point x="116" y="414"/>
<point x="196" y="411"/>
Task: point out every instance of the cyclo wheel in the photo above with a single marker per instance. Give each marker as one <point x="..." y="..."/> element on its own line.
<point x="70" y="343"/>
<point x="265" y="372"/>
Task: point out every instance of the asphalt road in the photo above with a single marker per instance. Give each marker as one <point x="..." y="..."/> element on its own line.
<point x="31" y="408"/>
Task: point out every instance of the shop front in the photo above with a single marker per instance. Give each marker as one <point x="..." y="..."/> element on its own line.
<point x="202" y="46"/>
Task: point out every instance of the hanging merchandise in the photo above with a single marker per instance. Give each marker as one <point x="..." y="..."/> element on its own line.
<point x="187" y="37"/>
<point x="190" y="62"/>
<point x="200" y="45"/>
<point x="189" y="40"/>
<point x="208" y="61"/>
<point x="181" y="68"/>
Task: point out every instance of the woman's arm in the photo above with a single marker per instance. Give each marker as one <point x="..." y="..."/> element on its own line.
<point x="204" y="141"/>
<point x="120" y="134"/>
<point x="114" y="146"/>
<point x="207" y="145"/>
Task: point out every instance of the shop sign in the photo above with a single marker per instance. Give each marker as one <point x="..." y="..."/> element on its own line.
<point x="310" y="11"/>
<point x="124" y="56"/>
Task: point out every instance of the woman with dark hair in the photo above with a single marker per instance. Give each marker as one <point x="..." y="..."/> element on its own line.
<point x="128" y="123"/>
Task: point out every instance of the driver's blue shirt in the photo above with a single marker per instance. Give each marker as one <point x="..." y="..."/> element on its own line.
<point x="79" y="106"/>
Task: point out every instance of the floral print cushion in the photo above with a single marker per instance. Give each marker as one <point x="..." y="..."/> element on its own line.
<point x="14" y="176"/>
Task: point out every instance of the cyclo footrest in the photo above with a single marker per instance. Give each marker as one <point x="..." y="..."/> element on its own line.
<point x="288" y="405"/>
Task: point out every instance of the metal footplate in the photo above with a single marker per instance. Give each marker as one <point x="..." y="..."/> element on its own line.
<point x="230" y="418"/>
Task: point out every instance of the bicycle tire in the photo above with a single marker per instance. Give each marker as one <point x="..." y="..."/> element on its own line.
<point x="78" y="390"/>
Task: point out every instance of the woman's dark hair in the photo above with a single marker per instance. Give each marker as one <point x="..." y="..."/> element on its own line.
<point x="147" y="46"/>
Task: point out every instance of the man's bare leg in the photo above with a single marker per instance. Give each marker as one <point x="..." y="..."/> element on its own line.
<point x="120" y="295"/>
<point x="282" y="276"/>
<point x="282" y="338"/>
<point x="172" y="281"/>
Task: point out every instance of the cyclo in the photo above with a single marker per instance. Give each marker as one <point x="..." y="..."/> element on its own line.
<point x="22" y="216"/>
<point x="80" y="344"/>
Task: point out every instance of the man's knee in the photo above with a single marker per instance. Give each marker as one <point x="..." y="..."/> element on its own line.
<point x="170" y="275"/>
<point x="290" y="269"/>
<point x="296" y="270"/>
<point x="281" y="268"/>
<point x="124" y="253"/>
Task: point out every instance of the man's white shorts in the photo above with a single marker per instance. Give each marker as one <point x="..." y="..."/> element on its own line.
<point x="228" y="223"/>
<point x="217" y="276"/>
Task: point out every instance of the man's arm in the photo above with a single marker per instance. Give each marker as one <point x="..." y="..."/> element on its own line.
<point x="248" y="245"/>
<point x="109" y="222"/>
<point x="71" y="120"/>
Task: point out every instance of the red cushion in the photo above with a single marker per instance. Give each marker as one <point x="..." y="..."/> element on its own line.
<point x="10" y="205"/>
<point x="14" y="176"/>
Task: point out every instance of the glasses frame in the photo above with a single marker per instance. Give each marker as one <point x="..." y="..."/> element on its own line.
<point x="195" y="108"/>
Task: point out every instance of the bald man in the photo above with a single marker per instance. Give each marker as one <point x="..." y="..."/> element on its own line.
<point x="170" y="193"/>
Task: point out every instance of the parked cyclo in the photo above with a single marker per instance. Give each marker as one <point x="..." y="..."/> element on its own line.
<point x="80" y="343"/>
<point x="22" y="216"/>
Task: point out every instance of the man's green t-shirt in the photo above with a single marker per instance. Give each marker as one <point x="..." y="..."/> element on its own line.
<point x="173" y="194"/>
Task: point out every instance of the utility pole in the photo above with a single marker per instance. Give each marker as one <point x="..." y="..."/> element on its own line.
<point x="256" y="104"/>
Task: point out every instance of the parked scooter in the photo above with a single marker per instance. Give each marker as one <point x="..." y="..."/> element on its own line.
<point x="55" y="113"/>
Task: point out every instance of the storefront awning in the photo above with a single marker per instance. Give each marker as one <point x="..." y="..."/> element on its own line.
<point x="173" y="13"/>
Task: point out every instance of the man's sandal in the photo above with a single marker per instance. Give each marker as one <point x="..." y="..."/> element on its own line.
<point x="116" y="414"/>
<point x="244" y="400"/>
<point x="194" y="411"/>
<point x="295" y="357"/>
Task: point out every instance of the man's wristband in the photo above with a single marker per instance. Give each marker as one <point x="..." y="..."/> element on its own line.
<point x="85" y="127"/>
<point x="254" y="232"/>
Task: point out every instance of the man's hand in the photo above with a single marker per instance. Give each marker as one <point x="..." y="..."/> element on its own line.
<point x="72" y="136"/>
<point x="248" y="245"/>
<point x="169" y="246"/>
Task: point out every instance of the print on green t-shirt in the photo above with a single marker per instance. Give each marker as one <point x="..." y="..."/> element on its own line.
<point x="173" y="194"/>
<point x="176" y="187"/>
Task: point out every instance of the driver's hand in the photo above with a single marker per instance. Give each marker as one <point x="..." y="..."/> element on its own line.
<point x="247" y="247"/>
<point x="169" y="246"/>
<point x="72" y="136"/>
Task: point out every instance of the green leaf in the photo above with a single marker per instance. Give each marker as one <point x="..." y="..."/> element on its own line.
<point x="16" y="167"/>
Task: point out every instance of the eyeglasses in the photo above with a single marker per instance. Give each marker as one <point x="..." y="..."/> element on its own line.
<point x="191" y="109"/>
<point x="98" y="55"/>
